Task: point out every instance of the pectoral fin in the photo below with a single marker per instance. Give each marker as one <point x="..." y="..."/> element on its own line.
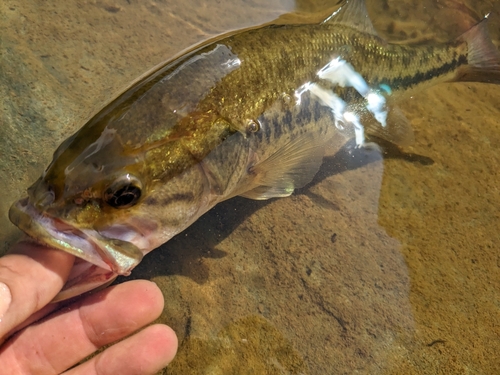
<point x="291" y="167"/>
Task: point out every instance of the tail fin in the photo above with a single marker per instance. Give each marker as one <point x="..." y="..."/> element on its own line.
<point x="483" y="56"/>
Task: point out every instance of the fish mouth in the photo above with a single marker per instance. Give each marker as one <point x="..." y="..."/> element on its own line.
<point x="111" y="254"/>
<point x="90" y="270"/>
<point x="56" y="233"/>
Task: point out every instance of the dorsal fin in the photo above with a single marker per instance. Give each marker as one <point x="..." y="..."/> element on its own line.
<point x="353" y="13"/>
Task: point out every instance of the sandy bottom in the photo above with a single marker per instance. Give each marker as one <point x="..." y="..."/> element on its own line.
<point x="379" y="266"/>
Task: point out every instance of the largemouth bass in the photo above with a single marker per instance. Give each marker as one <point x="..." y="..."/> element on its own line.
<point x="247" y="114"/>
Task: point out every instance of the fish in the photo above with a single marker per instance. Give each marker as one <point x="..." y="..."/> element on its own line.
<point x="249" y="113"/>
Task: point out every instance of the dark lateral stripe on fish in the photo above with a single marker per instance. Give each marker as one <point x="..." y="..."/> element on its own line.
<point x="278" y="124"/>
<point x="268" y="129"/>
<point x="287" y="117"/>
<point x="418" y="77"/>
<point x="278" y="130"/>
<point x="310" y="111"/>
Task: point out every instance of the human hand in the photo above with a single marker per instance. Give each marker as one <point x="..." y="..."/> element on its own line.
<point x="32" y="276"/>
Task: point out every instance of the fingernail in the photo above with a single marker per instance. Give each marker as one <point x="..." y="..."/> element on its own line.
<point x="5" y="299"/>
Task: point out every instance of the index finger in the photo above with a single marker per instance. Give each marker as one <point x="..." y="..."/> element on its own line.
<point x="30" y="276"/>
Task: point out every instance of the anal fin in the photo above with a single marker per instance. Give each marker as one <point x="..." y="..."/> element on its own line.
<point x="398" y="129"/>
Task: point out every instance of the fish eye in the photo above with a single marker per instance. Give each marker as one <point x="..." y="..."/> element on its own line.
<point x="123" y="193"/>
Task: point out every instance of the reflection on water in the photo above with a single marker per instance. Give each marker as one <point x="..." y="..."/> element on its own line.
<point x="377" y="266"/>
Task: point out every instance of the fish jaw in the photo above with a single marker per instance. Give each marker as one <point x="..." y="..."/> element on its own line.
<point x="55" y="232"/>
<point x="100" y="259"/>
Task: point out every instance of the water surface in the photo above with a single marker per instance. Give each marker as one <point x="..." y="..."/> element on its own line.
<point x="384" y="264"/>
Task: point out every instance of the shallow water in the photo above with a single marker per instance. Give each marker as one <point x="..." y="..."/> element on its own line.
<point x="382" y="265"/>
